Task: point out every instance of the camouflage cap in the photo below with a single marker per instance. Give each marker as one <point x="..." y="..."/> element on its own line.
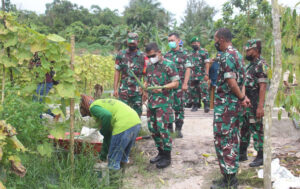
<point x="132" y="38"/>
<point x="195" y="39"/>
<point x="253" y="43"/>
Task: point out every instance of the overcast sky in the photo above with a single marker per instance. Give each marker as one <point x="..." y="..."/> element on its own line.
<point x="177" y="8"/>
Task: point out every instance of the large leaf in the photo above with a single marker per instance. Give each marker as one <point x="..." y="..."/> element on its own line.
<point x="55" y="38"/>
<point x="45" y="149"/>
<point x="66" y="90"/>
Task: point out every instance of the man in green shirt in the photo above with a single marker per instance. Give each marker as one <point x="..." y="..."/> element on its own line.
<point x="119" y="124"/>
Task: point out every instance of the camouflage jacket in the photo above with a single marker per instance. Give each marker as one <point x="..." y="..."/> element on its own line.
<point x="231" y="66"/>
<point x="134" y="61"/>
<point x="256" y="72"/>
<point x="199" y="59"/>
<point x="160" y="74"/>
<point x="181" y="60"/>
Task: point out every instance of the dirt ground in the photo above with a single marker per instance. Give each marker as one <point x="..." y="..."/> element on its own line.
<point x="194" y="163"/>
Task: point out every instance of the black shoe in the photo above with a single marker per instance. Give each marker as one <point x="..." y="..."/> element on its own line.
<point x="195" y="108"/>
<point x="206" y="106"/>
<point x="178" y="129"/>
<point x="165" y="161"/>
<point x="229" y="182"/>
<point x="170" y="127"/>
<point x="158" y="157"/>
<point x="259" y="160"/>
<point x="243" y="151"/>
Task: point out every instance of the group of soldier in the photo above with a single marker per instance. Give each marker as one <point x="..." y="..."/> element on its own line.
<point x="238" y="98"/>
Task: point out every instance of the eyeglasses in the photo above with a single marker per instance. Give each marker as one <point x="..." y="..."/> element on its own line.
<point x="152" y="56"/>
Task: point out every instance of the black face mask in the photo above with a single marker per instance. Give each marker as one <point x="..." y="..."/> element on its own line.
<point x="132" y="48"/>
<point x="250" y="58"/>
<point x="195" y="47"/>
<point x="217" y="45"/>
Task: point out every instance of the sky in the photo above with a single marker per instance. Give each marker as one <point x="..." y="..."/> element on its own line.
<point x="177" y="8"/>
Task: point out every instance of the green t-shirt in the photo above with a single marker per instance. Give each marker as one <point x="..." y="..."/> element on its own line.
<point x="121" y="116"/>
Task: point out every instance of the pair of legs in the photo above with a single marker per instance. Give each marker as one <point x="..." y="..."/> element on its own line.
<point x="200" y="90"/>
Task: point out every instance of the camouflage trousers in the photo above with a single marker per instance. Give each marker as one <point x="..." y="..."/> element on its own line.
<point x="251" y="125"/>
<point x="135" y="102"/>
<point x="178" y="105"/>
<point x="226" y="136"/>
<point x="158" y="120"/>
<point x="199" y="89"/>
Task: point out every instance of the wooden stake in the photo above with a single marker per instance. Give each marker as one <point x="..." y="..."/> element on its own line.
<point x="72" y="104"/>
<point x="3" y="78"/>
<point x="271" y="95"/>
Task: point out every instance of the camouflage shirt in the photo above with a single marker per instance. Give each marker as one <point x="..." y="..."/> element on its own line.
<point x="134" y="61"/>
<point x="181" y="60"/>
<point x="256" y="72"/>
<point x="160" y="74"/>
<point x="199" y="59"/>
<point x="231" y="66"/>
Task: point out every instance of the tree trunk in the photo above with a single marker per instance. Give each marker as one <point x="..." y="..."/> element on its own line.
<point x="72" y="104"/>
<point x="271" y="96"/>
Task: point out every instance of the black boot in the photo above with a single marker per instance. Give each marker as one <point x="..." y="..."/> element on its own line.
<point x="194" y="108"/>
<point x="229" y="181"/>
<point x="178" y="129"/>
<point x="243" y="151"/>
<point x="170" y="127"/>
<point x="206" y="106"/>
<point x="259" y="160"/>
<point x="158" y="157"/>
<point x="165" y="161"/>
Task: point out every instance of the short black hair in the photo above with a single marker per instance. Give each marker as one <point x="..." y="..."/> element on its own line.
<point x="175" y="34"/>
<point x="151" y="46"/>
<point x="224" y="33"/>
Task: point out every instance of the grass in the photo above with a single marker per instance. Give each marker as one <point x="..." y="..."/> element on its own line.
<point x="249" y="177"/>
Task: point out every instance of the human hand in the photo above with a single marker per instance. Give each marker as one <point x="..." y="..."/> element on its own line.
<point x="184" y="87"/>
<point x="260" y="112"/>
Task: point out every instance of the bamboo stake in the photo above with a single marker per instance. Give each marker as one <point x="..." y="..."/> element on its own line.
<point x="72" y="104"/>
<point x="3" y="78"/>
<point x="271" y="96"/>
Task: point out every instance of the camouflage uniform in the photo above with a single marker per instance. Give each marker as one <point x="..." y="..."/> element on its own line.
<point x="129" y="89"/>
<point x="256" y="72"/>
<point x="181" y="60"/>
<point x="198" y="85"/>
<point x="160" y="111"/>
<point x="227" y="106"/>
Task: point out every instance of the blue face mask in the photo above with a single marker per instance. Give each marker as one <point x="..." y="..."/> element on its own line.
<point x="172" y="44"/>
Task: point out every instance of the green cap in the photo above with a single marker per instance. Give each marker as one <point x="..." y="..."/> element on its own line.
<point x="253" y="43"/>
<point x="132" y="38"/>
<point x="195" y="39"/>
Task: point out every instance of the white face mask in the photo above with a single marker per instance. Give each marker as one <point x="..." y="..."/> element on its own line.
<point x="154" y="60"/>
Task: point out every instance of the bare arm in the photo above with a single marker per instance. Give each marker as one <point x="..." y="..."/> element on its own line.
<point x="260" y="107"/>
<point x="116" y="83"/>
<point x="172" y="85"/>
<point x="186" y="79"/>
<point x="235" y="88"/>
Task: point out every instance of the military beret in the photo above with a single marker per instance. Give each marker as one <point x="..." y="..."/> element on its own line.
<point x="253" y="43"/>
<point x="195" y="39"/>
<point x="132" y="37"/>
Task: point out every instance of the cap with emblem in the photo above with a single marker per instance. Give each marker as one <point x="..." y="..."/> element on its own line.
<point x="132" y="38"/>
<point x="195" y="39"/>
<point x="253" y="43"/>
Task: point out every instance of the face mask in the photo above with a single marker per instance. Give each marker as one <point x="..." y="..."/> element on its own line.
<point x="217" y="45"/>
<point x="172" y="44"/>
<point x="195" y="47"/>
<point x="250" y="58"/>
<point x="132" y="48"/>
<point x="154" y="59"/>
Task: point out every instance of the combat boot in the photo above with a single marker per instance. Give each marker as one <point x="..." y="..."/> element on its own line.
<point x="165" y="161"/>
<point x="158" y="157"/>
<point x="178" y="129"/>
<point x="229" y="182"/>
<point x="259" y="160"/>
<point x="170" y="127"/>
<point x="243" y="151"/>
<point x="194" y="108"/>
<point x="206" y="106"/>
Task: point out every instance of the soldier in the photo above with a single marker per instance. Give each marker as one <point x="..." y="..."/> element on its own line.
<point x="160" y="72"/>
<point x="133" y="59"/>
<point x="200" y="75"/>
<point x="228" y="98"/>
<point x="256" y="83"/>
<point x="183" y="65"/>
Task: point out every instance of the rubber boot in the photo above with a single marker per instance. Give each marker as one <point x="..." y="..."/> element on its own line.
<point x="178" y="129"/>
<point x="243" y="151"/>
<point x="259" y="160"/>
<point x="165" y="161"/>
<point x="206" y="106"/>
<point x="158" y="157"/>
<point x="194" y="108"/>
<point x="229" y="181"/>
<point x="170" y="127"/>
